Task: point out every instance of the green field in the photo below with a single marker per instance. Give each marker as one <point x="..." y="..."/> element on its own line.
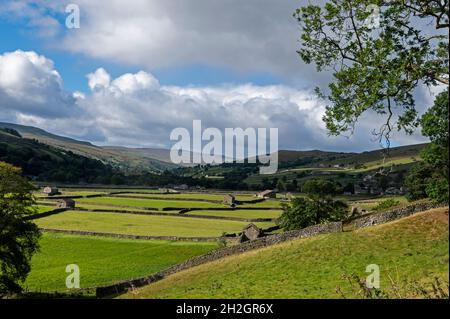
<point x="158" y="204"/>
<point x="83" y="206"/>
<point x="142" y="225"/>
<point x="271" y="203"/>
<point x="239" y="213"/>
<point x="216" y="197"/>
<point x="43" y="209"/>
<point x="411" y="249"/>
<point x="104" y="261"/>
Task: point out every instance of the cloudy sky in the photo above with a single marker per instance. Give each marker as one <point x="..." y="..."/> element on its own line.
<point x="137" y="69"/>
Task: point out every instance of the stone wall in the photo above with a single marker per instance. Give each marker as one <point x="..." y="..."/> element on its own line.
<point x="46" y="214"/>
<point x="218" y="254"/>
<point x="384" y="217"/>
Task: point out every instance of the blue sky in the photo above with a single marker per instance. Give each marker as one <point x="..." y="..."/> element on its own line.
<point x="74" y="67"/>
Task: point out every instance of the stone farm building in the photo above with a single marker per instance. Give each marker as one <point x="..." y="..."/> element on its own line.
<point x="229" y="200"/>
<point x="51" y="191"/>
<point x="66" y="203"/>
<point x="250" y="232"/>
<point x="267" y="194"/>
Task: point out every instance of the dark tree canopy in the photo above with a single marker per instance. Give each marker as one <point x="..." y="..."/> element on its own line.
<point x="318" y="206"/>
<point x="380" y="52"/>
<point x="18" y="237"/>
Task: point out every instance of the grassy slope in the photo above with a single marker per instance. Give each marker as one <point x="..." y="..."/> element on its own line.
<point x="414" y="248"/>
<point x="142" y="225"/>
<point x="104" y="260"/>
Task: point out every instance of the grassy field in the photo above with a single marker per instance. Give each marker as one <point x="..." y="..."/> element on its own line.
<point x="267" y="203"/>
<point x="411" y="249"/>
<point x="44" y="209"/>
<point x="142" y="225"/>
<point x="239" y="213"/>
<point x="111" y="207"/>
<point x="104" y="261"/>
<point x="158" y="204"/>
<point x="371" y="204"/>
<point x="217" y="197"/>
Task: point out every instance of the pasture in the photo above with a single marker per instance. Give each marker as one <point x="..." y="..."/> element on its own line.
<point x="130" y="224"/>
<point x="150" y="203"/>
<point x="239" y="213"/>
<point x="411" y="251"/>
<point x="103" y="261"/>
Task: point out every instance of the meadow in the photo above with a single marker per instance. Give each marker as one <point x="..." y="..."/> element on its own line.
<point x="103" y="261"/>
<point x="410" y="251"/>
<point x="130" y="224"/>
<point x="193" y="196"/>
<point x="149" y="203"/>
<point x="238" y="213"/>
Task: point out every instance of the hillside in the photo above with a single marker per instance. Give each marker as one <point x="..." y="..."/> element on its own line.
<point x="411" y="251"/>
<point x="46" y="163"/>
<point x="126" y="159"/>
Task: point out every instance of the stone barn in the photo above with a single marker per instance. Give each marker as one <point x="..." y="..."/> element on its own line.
<point x="51" y="191"/>
<point x="67" y="203"/>
<point x="229" y="200"/>
<point x="250" y="232"/>
<point x="267" y="194"/>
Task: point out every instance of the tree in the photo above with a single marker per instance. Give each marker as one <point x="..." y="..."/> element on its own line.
<point x="435" y="126"/>
<point x="281" y="186"/>
<point x="18" y="237"/>
<point x="318" y="206"/>
<point x="417" y="180"/>
<point x="380" y="51"/>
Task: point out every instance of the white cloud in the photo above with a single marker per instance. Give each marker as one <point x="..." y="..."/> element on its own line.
<point x="252" y="36"/>
<point x="135" y="110"/>
<point x="98" y="79"/>
<point x="30" y="84"/>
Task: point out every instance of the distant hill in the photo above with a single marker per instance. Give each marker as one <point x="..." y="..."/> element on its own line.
<point x="47" y="163"/>
<point x="138" y="160"/>
<point x="127" y="159"/>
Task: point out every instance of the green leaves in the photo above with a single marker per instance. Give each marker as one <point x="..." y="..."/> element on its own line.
<point x="374" y="68"/>
<point x="319" y="206"/>
<point x="18" y="237"/>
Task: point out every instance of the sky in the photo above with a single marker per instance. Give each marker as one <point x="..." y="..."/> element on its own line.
<point x="137" y="69"/>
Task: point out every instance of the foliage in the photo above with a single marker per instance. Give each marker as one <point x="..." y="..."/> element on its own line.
<point x="436" y="290"/>
<point x="431" y="179"/>
<point x="318" y="207"/>
<point x="380" y="53"/>
<point x="386" y="204"/>
<point x="18" y="237"/>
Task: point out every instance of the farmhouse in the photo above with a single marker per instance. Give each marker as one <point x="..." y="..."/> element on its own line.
<point x="66" y="203"/>
<point x="250" y="232"/>
<point x="229" y="200"/>
<point x="267" y="194"/>
<point x="51" y="191"/>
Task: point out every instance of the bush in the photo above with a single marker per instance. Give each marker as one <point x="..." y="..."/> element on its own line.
<point x="384" y="205"/>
